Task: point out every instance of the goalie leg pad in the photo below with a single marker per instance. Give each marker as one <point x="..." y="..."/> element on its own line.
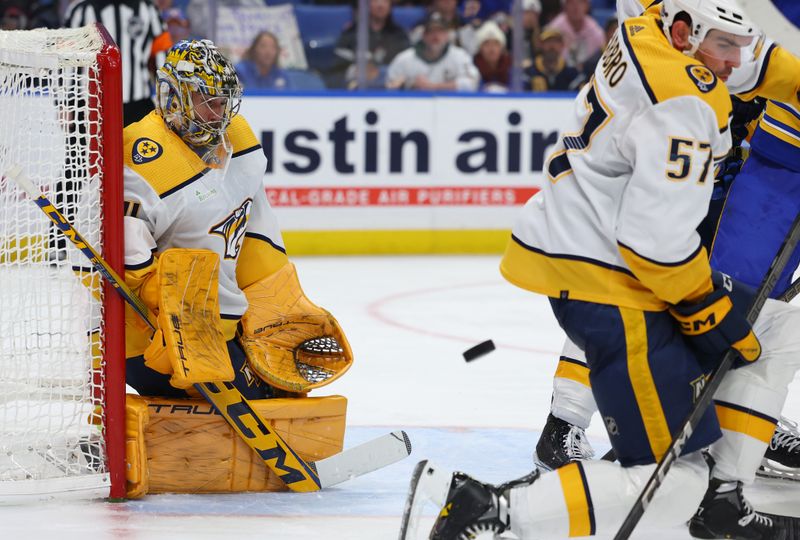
<point x="184" y="446"/>
<point x="290" y="342"/>
<point x="189" y="344"/>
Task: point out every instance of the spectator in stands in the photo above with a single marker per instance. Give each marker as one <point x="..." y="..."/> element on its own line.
<point x="471" y="9"/>
<point x="175" y="19"/>
<point x="550" y="9"/>
<point x="259" y="69"/>
<point x="386" y="40"/>
<point x="549" y="70"/>
<point x="23" y="15"/>
<point x="591" y="63"/>
<point x="177" y="24"/>
<point x="492" y="60"/>
<point x="459" y="32"/>
<point x="531" y="12"/>
<point x="202" y="17"/>
<point x="583" y="37"/>
<point x="434" y="63"/>
<point x="13" y="18"/>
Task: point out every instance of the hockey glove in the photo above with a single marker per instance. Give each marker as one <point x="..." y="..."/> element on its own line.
<point x="718" y="323"/>
<point x="727" y="173"/>
<point x="290" y="342"/>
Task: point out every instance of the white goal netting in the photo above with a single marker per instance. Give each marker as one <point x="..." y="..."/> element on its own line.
<point x="51" y="324"/>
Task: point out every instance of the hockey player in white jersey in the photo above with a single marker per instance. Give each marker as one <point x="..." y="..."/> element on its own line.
<point x="612" y="240"/>
<point x="194" y="181"/>
<point x="563" y="439"/>
<point x="203" y="250"/>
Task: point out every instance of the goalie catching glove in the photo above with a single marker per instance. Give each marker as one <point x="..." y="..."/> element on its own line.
<point x="717" y="323"/>
<point x="189" y="344"/>
<point x="290" y="342"/>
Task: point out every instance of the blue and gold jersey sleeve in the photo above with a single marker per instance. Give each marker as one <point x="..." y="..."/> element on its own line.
<point x="777" y="136"/>
<point x="778" y="76"/>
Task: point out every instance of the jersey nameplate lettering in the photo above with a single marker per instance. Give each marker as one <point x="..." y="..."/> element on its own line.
<point x="613" y="66"/>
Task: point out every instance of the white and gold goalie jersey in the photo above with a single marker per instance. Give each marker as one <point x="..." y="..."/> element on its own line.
<point x="629" y="181"/>
<point x="173" y="199"/>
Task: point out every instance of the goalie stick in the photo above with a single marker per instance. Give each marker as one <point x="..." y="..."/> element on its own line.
<point x="680" y="438"/>
<point x="278" y="456"/>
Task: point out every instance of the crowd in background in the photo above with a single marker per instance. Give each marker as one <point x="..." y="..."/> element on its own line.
<point x="430" y="45"/>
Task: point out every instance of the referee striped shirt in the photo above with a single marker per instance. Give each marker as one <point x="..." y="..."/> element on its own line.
<point x="139" y="32"/>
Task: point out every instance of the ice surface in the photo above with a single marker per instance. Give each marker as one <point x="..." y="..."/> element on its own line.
<point x="408" y="320"/>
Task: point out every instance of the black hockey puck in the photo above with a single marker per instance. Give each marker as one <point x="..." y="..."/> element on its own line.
<point x="479" y="350"/>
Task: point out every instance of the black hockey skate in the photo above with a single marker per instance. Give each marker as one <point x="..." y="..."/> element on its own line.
<point x="725" y="513"/>
<point x="561" y="443"/>
<point x="469" y="509"/>
<point x="782" y="458"/>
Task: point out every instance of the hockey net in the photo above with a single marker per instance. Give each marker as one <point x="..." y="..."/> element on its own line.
<point x="61" y="372"/>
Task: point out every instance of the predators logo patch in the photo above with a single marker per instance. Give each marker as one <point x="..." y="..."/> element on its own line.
<point x="145" y="150"/>
<point x="232" y="229"/>
<point x="702" y="77"/>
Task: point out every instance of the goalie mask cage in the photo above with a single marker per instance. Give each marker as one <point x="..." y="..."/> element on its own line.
<point x="62" y="383"/>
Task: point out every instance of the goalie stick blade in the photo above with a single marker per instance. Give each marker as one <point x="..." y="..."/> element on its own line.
<point x="428" y="483"/>
<point x="364" y="458"/>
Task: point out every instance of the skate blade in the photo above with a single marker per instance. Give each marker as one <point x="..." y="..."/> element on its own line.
<point x="773" y="469"/>
<point x="429" y="483"/>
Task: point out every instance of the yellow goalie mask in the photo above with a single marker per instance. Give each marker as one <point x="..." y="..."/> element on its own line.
<point x="197" y="92"/>
<point x="290" y="342"/>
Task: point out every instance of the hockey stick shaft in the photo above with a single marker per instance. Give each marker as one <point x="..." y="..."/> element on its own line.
<point x="789" y="294"/>
<point x="66" y="228"/>
<point x="706" y="396"/>
<point x="277" y="455"/>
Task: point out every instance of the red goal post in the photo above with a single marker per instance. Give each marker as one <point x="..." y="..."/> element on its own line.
<point x="62" y="349"/>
